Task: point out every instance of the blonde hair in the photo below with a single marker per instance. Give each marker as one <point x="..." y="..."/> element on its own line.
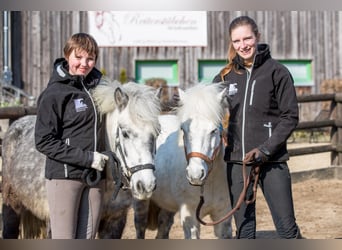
<point x="81" y="41"/>
<point x="239" y="21"/>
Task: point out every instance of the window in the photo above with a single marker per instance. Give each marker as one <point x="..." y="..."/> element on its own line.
<point x="301" y="71"/>
<point x="208" y="69"/>
<point x="167" y="70"/>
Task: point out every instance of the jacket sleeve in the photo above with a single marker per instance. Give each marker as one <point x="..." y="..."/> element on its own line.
<point x="288" y="108"/>
<point x="48" y="133"/>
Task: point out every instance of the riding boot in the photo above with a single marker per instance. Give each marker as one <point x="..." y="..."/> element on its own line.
<point x="299" y="235"/>
<point x="11" y="222"/>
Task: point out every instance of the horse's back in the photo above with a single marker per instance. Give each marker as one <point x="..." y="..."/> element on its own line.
<point x="169" y="123"/>
<point x="23" y="168"/>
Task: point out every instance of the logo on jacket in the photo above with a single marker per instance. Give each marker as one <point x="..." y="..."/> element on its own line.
<point x="232" y="89"/>
<point x="80" y="105"/>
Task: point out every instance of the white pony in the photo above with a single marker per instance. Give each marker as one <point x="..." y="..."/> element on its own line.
<point x="189" y="163"/>
<point x="131" y="112"/>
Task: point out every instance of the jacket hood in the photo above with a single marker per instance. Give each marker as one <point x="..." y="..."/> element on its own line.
<point x="61" y="74"/>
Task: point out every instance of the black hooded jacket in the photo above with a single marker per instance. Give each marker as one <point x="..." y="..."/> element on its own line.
<point x="264" y="108"/>
<point x="68" y="129"/>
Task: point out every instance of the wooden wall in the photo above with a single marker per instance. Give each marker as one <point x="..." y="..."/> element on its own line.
<point x="315" y="35"/>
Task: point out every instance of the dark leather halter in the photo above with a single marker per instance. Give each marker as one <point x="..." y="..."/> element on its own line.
<point x="128" y="171"/>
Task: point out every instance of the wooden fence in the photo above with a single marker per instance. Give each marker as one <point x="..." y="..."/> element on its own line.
<point x="332" y="120"/>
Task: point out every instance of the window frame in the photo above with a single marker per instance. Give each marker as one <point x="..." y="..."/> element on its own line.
<point x="304" y="64"/>
<point x="202" y="63"/>
<point x="173" y="64"/>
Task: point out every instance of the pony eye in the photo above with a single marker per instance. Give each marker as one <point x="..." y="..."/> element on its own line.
<point x="214" y="131"/>
<point x="125" y="133"/>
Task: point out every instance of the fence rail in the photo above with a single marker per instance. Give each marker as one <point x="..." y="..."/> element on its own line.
<point x="324" y="121"/>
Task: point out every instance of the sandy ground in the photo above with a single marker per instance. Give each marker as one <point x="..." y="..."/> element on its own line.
<point x="318" y="213"/>
<point x="318" y="205"/>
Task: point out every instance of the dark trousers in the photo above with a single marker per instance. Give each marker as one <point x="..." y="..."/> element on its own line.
<point x="275" y="183"/>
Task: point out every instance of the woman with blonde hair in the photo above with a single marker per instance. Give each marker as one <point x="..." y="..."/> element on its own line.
<point x="263" y="114"/>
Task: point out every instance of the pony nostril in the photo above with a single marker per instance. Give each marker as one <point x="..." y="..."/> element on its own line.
<point x="203" y="175"/>
<point x="140" y="187"/>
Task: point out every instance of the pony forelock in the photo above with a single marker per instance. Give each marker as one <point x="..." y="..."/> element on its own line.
<point x="202" y="100"/>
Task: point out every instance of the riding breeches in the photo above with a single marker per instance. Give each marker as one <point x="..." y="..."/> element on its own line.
<point x="75" y="208"/>
<point x="275" y="183"/>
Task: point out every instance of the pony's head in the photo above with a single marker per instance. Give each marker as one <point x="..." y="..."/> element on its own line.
<point x="132" y="127"/>
<point x="200" y="112"/>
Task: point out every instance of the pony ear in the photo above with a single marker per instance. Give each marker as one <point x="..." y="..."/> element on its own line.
<point x="120" y="98"/>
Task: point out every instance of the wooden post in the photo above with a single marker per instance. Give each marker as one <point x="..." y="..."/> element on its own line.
<point x="336" y="133"/>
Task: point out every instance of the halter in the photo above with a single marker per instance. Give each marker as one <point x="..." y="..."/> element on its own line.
<point x="128" y="172"/>
<point x="207" y="159"/>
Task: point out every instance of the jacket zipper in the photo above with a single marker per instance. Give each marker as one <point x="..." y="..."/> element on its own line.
<point x="67" y="142"/>
<point x="249" y="74"/>
<point x="95" y="122"/>
<point x="252" y="93"/>
<point x="244" y="115"/>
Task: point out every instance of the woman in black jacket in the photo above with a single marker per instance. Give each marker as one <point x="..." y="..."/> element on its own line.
<point x="263" y="114"/>
<point x="69" y="132"/>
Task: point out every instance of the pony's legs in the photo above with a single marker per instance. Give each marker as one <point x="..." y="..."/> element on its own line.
<point x="141" y="217"/>
<point x="189" y="223"/>
<point x="112" y="228"/>
<point x="165" y="222"/>
<point x="224" y="230"/>
<point x="148" y="215"/>
<point x="11" y="223"/>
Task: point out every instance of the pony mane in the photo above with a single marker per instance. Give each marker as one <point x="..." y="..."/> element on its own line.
<point x="103" y="95"/>
<point x="202" y="100"/>
<point x="143" y="105"/>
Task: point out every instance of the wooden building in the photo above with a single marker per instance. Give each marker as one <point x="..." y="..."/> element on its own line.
<point x="309" y="42"/>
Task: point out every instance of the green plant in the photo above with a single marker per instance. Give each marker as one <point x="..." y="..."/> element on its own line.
<point x="123" y="76"/>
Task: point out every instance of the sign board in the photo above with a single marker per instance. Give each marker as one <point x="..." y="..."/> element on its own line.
<point x="148" y="28"/>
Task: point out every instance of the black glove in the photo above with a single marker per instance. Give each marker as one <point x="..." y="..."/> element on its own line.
<point x="255" y="157"/>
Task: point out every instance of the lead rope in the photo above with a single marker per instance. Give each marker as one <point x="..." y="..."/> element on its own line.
<point x="246" y="181"/>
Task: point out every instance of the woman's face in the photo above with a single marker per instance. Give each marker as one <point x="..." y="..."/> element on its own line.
<point x="244" y="42"/>
<point x="80" y="62"/>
